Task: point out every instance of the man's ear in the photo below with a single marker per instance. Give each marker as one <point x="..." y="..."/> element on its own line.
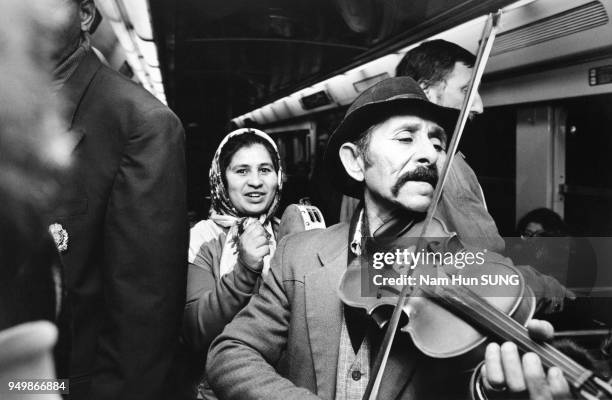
<point x="352" y="160"/>
<point x="433" y="92"/>
<point x="87" y="12"/>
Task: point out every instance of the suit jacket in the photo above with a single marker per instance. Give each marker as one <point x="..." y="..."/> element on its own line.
<point x="125" y="215"/>
<point x="284" y="343"/>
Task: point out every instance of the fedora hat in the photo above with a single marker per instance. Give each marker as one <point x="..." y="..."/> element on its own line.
<point x="393" y="96"/>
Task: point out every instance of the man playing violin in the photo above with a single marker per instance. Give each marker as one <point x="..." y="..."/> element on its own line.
<point x="297" y="340"/>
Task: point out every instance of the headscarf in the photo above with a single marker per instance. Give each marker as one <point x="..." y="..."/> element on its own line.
<point x="224" y="214"/>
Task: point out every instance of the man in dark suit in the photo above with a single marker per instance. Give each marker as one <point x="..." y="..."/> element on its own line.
<point x="122" y="228"/>
<point x="297" y="340"/>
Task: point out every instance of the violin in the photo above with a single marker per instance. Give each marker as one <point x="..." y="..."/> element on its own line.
<point x="447" y="320"/>
<point x="428" y="322"/>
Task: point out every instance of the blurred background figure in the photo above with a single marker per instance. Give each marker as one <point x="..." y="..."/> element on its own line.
<point x="25" y="354"/>
<point x="541" y="222"/>
<point x="34" y="149"/>
<point x="537" y="248"/>
<point x="547" y="245"/>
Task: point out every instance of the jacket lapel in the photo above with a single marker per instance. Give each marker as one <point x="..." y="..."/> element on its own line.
<point x="77" y="136"/>
<point x="324" y="311"/>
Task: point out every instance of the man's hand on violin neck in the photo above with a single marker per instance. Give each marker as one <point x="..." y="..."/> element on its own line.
<point x="505" y="371"/>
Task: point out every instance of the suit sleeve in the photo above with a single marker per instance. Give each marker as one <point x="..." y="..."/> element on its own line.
<point x="212" y="303"/>
<point x="145" y="244"/>
<point x="463" y="208"/>
<point x="241" y="360"/>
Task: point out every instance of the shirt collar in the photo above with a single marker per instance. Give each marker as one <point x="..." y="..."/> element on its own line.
<point x="64" y="71"/>
<point x="357" y="234"/>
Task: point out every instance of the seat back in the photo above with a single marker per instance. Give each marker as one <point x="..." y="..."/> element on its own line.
<point x="300" y="217"/>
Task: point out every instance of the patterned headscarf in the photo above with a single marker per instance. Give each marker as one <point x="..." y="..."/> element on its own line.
<point x="223" y="212"/>
<point x="220" y="201"/>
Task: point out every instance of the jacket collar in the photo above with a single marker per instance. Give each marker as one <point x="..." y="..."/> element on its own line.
<point x="74" y="88"/>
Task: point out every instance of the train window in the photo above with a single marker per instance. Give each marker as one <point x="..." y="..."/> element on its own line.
<point x="588" y="188"/>
<point x="294" y="150"/>
<point x="296" y="155"/>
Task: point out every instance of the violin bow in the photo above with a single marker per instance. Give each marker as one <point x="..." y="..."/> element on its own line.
<point x="486" y="44"/>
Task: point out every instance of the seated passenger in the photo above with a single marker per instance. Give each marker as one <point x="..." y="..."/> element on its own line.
<point x="545" y="243"/>
<point x="231" y="250"/>
<point x="571" y="260"/>
<point x="296" y="339"/>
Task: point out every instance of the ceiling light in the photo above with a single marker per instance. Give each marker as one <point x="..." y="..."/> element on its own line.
<point x="149" y="51"/>
<point x="124" y="37"/>
<point x="109" y="9"/>
<point x="138" y="13"/>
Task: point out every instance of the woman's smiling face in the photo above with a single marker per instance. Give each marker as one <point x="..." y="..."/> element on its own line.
<point x="252" y="181"/>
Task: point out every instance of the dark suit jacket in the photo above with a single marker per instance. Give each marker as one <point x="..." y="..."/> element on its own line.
<point x="284" y="344"/>
<point x="125" y="214"/>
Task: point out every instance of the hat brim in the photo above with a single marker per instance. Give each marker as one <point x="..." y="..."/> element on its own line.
<point x="362" y="118"/>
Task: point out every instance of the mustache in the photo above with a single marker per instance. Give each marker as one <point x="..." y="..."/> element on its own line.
<point x="427" y="174"/>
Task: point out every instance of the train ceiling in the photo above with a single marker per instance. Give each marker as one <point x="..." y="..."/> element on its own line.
<point x="222" y="58"/>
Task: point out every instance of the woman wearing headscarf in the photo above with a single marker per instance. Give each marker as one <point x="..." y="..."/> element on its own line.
<point x="231" y="250"/>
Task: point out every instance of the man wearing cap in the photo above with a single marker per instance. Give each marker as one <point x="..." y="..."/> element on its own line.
<point x="122" y="227"/>
<point x="296" y="339"/>
<point x="443" y="70"/>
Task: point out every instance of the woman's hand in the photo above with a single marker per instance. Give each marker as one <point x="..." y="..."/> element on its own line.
<point x="253" y="246"/>
<point x="504" y="369"/>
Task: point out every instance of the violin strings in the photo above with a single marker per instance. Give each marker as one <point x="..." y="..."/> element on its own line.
<point x="507" y="328"/>
<point x="580" y="377"/>
<point x="548" y="353"/>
